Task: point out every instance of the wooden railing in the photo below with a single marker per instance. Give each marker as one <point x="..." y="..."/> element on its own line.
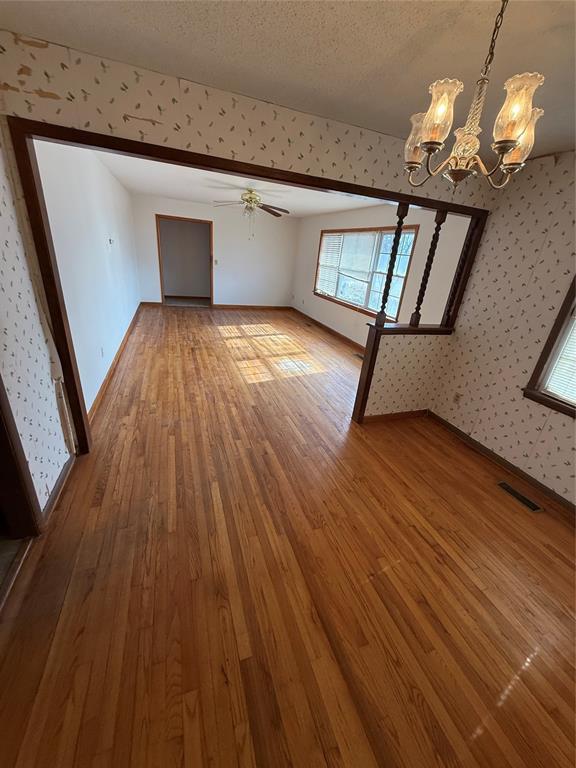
<point x="380" y="327"/>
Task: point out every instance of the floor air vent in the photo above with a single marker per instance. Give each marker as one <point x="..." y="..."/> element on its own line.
<point x="521" y="498"/>
<point x="359" y="354"/>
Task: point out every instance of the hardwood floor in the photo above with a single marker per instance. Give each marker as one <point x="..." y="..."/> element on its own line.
<point x="239" y="576"/>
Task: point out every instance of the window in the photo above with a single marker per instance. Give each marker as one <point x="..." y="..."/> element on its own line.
<point x="352" y="267"/>
<point x="553" y="382"/>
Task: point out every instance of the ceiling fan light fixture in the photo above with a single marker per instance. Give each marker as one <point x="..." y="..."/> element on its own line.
<point x="513" y="129"/>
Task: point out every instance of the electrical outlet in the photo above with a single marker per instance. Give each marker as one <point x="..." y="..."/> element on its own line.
<point x="101" y="351"/>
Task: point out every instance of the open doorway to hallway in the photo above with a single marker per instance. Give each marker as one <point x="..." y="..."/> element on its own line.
<point x="185" y="260"/>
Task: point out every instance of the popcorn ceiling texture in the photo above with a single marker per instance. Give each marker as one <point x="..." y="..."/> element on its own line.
<point x="47" y="82"/>
<point x="51" y="83"/>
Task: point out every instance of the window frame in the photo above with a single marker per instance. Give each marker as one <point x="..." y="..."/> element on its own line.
<point x="534" y="390"/>
<point x="364" y="310"/>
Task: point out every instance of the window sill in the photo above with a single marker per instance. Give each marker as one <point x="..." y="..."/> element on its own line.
<point x="341" y="303"/>
<point x="551" y="402"/>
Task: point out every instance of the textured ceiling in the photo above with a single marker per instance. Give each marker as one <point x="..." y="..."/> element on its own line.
<point x="149" y="177"/>
<point x="364" y="63"/>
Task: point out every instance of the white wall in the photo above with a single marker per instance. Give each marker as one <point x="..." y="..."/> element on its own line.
<point x="88" y="207"/>
<point x="350" y="322"/>
<point x="257" y="272"/>
<point x="185" y="247"/>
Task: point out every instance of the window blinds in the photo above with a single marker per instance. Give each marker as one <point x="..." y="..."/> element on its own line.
<point x="352" y="265"/>
<point x="328" y="263"/>
<point x="561" y="381"/>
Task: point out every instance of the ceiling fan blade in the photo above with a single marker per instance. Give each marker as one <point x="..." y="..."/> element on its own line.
<point x="276" y="208"/>
<point x="218" y="204"/>
<point x="269" y="210"/>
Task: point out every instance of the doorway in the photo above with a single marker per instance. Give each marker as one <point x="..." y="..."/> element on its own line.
<point x="24" y="133"/>
<point x="185" y="258"/>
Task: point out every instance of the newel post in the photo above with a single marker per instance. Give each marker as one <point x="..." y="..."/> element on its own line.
<point x="440" y="219"/>
<point x="401" y="212"/>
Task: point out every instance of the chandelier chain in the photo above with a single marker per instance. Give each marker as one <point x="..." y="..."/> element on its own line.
<point x="496" y="30"/>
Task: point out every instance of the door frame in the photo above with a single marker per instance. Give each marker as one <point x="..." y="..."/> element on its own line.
<point x="210" y="222"/>
<point x="24" y="131"/>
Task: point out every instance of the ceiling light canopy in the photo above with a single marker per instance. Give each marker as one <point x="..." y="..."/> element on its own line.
<point x="513" y="130"/>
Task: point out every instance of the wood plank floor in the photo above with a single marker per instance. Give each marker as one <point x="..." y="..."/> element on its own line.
<point x="239" y="576"/>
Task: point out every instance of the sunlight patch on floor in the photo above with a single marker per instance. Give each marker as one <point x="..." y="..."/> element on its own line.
<point x="263" y="354"/>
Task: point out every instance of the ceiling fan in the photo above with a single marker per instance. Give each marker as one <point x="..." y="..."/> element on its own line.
<point x="251" y="201"/>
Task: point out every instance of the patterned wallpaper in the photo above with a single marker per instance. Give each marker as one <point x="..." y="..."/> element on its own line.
<point x="523" y="270"/>
<point x="52" y="83"/>
<point x="25" y="361"/>
<point x="48" y="82"/>
<point x="405" y="372"/>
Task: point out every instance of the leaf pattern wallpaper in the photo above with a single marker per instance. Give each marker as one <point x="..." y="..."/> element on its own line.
<point x="522" y="259"/>
<point x="25" y="363"/>
<point x="474" y="379"/>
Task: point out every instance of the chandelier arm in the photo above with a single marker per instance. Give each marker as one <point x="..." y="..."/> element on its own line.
<point x="417" y="183"/>
<point x="485" y="172"/>
<point x="494" y="185"/>
<point x="439" y="168"/>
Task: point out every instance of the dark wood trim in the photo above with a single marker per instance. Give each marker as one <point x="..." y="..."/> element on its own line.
<point x="363" y="310"/>
<point x="166" y="154"/>
<point x="58" y="488"/>
<point x="406" y="329"/>
<point x="533" y="389"/>
<point x="439" y="219"/>
<point x="104" y="386"/>
<point x="159" y="217"/>
<point x="354" y="344"/>
<point x="19" y="505"/>
<point x="464" y="267"/>
<point x="401" y="213"/>
<point x="12" y="573"/>
<point x="504" y="463"/>
<point x="27" y="165"/>
<point x="366" y="374"/>
<point x="378" y="418"/>
<point x="550" y="401"/>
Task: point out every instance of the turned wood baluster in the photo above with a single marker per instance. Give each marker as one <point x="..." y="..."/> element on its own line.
<point x="401" y="212"/>
<point x="440" y="219"/>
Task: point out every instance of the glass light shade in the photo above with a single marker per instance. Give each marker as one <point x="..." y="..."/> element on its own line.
<point x="525" y="142"/>
<point x="412" y="151"/>
<point x="438" y="120"/>
<point x="516" y="110"/>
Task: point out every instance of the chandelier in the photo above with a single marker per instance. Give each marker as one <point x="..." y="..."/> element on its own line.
<point x="513" y="129"/>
